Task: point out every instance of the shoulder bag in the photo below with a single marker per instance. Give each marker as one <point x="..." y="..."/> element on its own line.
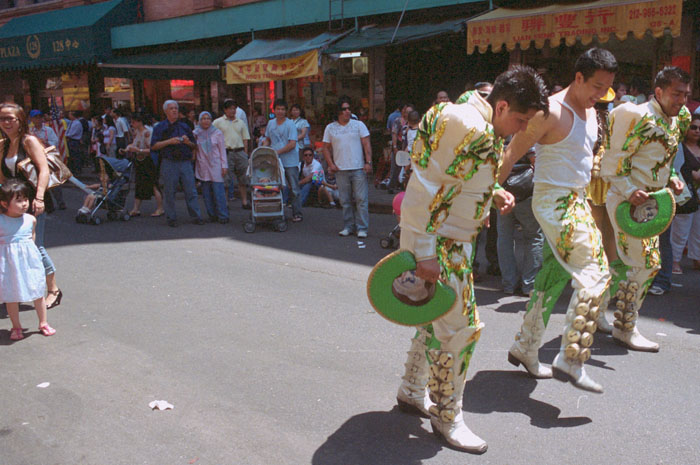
<point x="58" y="171"/>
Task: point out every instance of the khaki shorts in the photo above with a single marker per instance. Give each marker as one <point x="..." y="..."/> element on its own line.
<point x="238" y="165"/>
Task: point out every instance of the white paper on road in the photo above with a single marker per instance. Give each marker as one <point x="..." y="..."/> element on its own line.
<point x="43" y="385"/>
<point x="161" y="405"/>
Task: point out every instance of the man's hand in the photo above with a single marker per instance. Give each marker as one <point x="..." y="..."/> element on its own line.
<point x="224" y="172"/>
<point x="332" y="168"/>
<point x="677" y="186"/>
<point x="367" y="168"/>
<point x="638" y="197"/>
<point x="428" y="270"/>
<point x="504" y="201"/>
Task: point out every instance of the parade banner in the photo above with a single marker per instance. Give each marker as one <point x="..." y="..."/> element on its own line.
<point x="583" y="22"/>
<point x="263" y="70"/>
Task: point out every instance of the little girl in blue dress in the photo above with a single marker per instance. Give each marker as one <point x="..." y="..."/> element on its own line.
<point x="22" y="277"/>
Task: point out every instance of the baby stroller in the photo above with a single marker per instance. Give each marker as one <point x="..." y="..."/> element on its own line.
<point x="391" y="240"/>
<point x="266" y="182"/>
<point x="115" y="175"/>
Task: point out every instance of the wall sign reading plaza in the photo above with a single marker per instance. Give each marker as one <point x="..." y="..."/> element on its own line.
<point x="46" y="49"/>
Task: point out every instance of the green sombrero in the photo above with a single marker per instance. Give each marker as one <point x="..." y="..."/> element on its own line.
<point x="651" y="218"/>
<point x="394" y="274"/>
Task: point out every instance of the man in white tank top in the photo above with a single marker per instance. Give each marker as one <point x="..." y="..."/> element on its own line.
<point x="455" y="160"/>
<point x="639" y="160"/>
<point x="573" y="251"/>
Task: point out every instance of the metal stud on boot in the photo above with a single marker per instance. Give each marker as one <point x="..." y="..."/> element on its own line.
<point x="446" y="385"/>
<point x="412" y="397"/>
<point x="625" y="330"/>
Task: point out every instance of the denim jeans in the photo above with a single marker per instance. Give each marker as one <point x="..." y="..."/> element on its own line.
<point x="214" y="194"/>
<point x="291" y="173"/>
<point x="663" y="277"/>
<point x="532" y="254"/>
<point x="307" y="189"/>
<point x="174" y="172"/>
<point x="352" y="185"/>
<point x="49" y="267"/>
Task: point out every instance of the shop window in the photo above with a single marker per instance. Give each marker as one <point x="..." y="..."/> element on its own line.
<point x="120" y="92"/>
<point x="7" y="4"/>
<point x="182" y="91"/>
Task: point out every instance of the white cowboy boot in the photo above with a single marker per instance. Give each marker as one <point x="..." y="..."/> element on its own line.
<point x="625" y="331"/>
<point x="448" y="372"/>
<point x="580" y="326"/>
<point x="601" y="322"/>
<point x="413" y="397"/>
<point x="525" y="350"/>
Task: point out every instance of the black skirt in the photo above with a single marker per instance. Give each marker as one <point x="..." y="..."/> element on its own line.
<point x="146" y="178"/>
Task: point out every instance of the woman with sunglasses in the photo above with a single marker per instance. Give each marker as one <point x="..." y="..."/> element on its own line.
<point x="16" y="145"/>
<point x="685" y="229"/>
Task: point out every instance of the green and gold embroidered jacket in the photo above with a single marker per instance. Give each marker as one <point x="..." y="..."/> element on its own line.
<point x="455" y="160"/>
<point x="643" y="143"/>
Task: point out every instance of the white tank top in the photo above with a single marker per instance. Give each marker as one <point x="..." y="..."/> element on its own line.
<point x="568" y="163"/>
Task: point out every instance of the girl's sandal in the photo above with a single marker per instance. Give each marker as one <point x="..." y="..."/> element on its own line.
<point x="47" y="330"/>
<point x="16" y="334"/>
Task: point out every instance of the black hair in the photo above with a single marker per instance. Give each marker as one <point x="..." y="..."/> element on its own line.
<point x="408" y="105"/>
<point x="414" y="117"/>
<point x="666" y="76"/>
<point x="480" y="85"/>
<point x="108" y="120"/>
<point x="138" y="117"/>
<point x="280" y="102"/>
<point x="229" y="102"/>
<point x="344" y="99"/>
<point x="306" y="148"/>
<point x="595" y="59"/>
<point x="301" y="110"/>
<point x="522" y="88"/>
<point x="11" y="189"/>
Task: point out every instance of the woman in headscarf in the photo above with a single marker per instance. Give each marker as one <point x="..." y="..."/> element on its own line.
<point x="211" y="167"/>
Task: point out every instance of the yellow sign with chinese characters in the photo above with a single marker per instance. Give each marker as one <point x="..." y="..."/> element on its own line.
<point x="246" y="72"/>
<point x="582" y="22"/>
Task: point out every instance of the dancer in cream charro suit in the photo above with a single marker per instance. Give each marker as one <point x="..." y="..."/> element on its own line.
<point x="455" y="162"/>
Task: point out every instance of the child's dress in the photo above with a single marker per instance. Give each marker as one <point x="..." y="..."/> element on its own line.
<point x="22" y="277"/>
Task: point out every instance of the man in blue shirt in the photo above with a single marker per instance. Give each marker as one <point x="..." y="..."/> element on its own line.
<point x="174" y="142"/>
<point x="281" y="135"/>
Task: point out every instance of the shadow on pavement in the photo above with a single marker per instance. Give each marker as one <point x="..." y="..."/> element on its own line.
<point x="378" y="438"/>
<point x="509" y="391"/>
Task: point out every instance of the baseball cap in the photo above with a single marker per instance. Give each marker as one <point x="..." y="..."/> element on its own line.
<point x="34" y="113"/>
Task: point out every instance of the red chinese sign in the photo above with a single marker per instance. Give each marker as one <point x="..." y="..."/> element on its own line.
<point x="574" y="22"/>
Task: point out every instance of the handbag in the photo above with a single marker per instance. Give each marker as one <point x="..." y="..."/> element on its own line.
<point x="520" y="182"/>
<point x="58" y="171"/>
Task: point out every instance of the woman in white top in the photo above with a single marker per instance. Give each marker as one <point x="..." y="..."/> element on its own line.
<point x="145" y="170"/>
<point x="299" y="120"/>
<point x="110" y="136"/>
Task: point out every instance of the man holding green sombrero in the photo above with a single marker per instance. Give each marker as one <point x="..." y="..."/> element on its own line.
<point x="638" y="163"/>
<point x="455" y="159"/>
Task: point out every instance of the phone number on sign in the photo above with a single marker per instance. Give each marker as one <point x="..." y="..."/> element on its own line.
<point x="653" y="12"/>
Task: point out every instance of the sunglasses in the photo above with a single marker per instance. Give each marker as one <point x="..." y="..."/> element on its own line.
<point x="344" y="108"/>
<point x="694" y="127"/>
<point x="308" y="154"/>
<point x="8" y="119"/>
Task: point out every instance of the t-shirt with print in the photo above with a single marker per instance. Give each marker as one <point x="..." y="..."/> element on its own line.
<point x="346" y="141"/>
<point x="314" y="167"/>
<point x="280" y="135"/>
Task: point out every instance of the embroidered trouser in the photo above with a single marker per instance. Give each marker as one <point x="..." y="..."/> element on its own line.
<point x="642" y="260"/>
<point x="573" y="250"/>
<point x="457" y="331"/>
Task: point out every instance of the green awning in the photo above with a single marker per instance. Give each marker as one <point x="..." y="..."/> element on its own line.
<point x="63" y="37"/>
<point x="260" y="16"/>
<point x="199" y="64"/>
<point x="380" y="36"/>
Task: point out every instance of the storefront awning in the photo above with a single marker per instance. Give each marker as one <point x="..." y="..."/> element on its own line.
<point x="271" y="60"/>
<point x="62" y="37"/>
<point x="583" y="21"/>
<point x="381" y="36"/>
<point x="199" y="64"/>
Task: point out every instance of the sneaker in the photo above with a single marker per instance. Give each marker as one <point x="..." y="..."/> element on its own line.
<point x="345" y="232"/>
<point x="656" y="290"/>
<point x="361" y="234"/>
<point x="332" y="204"/>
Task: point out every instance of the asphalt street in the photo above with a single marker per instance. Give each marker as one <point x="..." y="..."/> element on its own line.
<point x="270" y="353"/>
